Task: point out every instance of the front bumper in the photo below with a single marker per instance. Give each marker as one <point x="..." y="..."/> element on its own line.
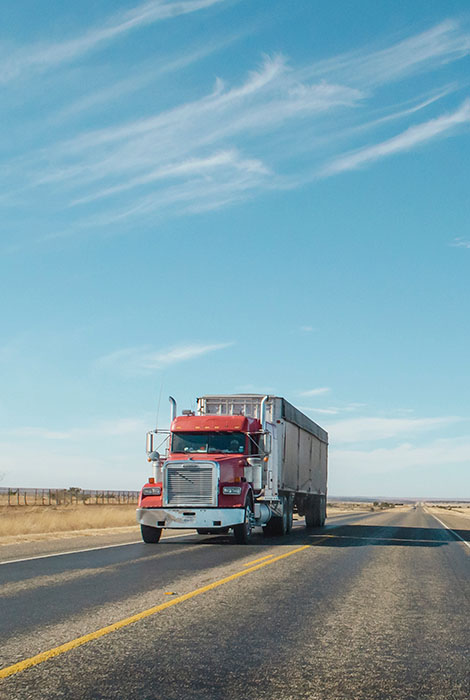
<point x="189" y="518"/>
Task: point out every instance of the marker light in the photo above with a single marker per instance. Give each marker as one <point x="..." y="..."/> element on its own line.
<point x="152" y="491"/>
<point x="232" y="490"/>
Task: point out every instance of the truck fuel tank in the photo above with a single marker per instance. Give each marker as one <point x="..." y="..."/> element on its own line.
<point x="262" y="513"/>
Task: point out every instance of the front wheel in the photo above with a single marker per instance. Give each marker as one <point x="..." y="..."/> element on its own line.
<point x="242" y="532"/>
<point x="150" y="535"/>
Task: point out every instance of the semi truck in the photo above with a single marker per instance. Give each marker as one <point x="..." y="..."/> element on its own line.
<point x="235" y="463"/>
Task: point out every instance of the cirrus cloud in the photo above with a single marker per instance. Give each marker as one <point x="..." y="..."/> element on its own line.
<point x="369" y="429"/>
<point x="144" y="359"/>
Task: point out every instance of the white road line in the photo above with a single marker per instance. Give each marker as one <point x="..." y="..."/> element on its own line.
<point x="91" y="549"/>
<point x="126" y="544"/>
<point x="449" y="528"/>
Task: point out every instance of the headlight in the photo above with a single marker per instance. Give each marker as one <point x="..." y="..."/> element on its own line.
<point x="232" y="490"/>
<point x="152" y="491"/>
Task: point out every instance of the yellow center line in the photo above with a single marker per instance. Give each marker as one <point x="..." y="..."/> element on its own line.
<point x="79" y="641"/>
<point x="255" y="561"/>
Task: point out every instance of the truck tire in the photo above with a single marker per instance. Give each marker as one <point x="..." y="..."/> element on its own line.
<point x="310" y="521"/>
<point x="323" y="511"/>
<point x="314" y="512"/>
<point x="290" y="515"/>
<point x="242" y="532"/>
<point x="151" y="535"/>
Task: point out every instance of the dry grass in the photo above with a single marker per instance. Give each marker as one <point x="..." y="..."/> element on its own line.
<point x="463" y="509"/>
<point x="340" y="507"/>
<point x="42" y="519"/>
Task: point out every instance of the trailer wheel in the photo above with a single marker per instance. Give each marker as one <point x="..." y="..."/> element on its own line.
<point x="242" y="532"/>
<point x="310" y="520"/>
<point x="323" y="511"/>
<point x="151" y="535"/>
<point x="314" y="512"/>
<point x="289" y="514"/>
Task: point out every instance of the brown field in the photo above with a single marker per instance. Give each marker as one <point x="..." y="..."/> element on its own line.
<point x="461" y="509"/>
<point x="340" y="507"/>
<point x="52" y="519"/>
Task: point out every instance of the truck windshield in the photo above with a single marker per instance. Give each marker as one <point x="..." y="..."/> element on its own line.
<point x="227" y="443"/>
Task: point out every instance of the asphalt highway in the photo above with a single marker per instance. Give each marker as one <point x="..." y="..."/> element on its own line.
<point x="373" y="606"/>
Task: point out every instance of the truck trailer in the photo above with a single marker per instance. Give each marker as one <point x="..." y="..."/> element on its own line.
<point x="237" y="462"/>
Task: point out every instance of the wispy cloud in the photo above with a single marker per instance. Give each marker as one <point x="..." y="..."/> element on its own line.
<point x="271" y="129"/>
<point x="460" y="243"/>
<point x="270" y="96"/>
<point x="439" y="45"/>
<point x="306" y="329"/>
<point x="369" y="429"/>
<point x="140" y="359"/>
<point x="112" y="428"/>
<point x="148" y="73"/>
<point x="407" y="140"/>
<point x="333" y="410"/>
<point x="231" y="160"/>
<point x="315" y="392"/>
<point x="324" y="411"/>
<point x="193" y="173"/>
<point x="42" y="57"/>
<point x="434" y="453"/>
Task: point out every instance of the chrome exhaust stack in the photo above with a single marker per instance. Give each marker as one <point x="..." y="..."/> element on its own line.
<point x="262" y="412"/>
<point x="173" y="407"/>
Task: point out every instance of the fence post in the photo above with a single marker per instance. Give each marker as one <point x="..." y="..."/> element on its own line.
<point x="57" y="497"/>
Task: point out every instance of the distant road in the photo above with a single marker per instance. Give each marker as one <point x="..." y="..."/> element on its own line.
<point x="375" y="606"/>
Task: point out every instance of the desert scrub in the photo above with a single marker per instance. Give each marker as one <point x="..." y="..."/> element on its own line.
<point x="25" y="520"/>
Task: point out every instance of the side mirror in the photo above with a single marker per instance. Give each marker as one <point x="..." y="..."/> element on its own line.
<point x="150" y="442"/>
<point x="267" y="443"/>
<point x="154" y="456"/>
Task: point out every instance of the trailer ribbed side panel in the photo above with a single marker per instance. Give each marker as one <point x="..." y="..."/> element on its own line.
<point x="303" y="461"/>
<point x="293" y="415"/>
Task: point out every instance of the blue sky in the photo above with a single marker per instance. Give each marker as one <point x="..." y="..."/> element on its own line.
<point x="221" y="196"/>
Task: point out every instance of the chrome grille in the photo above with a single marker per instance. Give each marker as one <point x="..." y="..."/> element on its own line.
<point x="190" y="484"/>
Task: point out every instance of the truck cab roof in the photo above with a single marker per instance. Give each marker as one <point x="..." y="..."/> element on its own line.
<point x="215" y="422"/>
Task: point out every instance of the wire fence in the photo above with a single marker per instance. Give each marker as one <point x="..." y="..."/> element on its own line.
<point x="65" y="497"/>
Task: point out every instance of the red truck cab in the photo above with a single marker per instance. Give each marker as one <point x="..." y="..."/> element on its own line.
<point x="206" y="481"/>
